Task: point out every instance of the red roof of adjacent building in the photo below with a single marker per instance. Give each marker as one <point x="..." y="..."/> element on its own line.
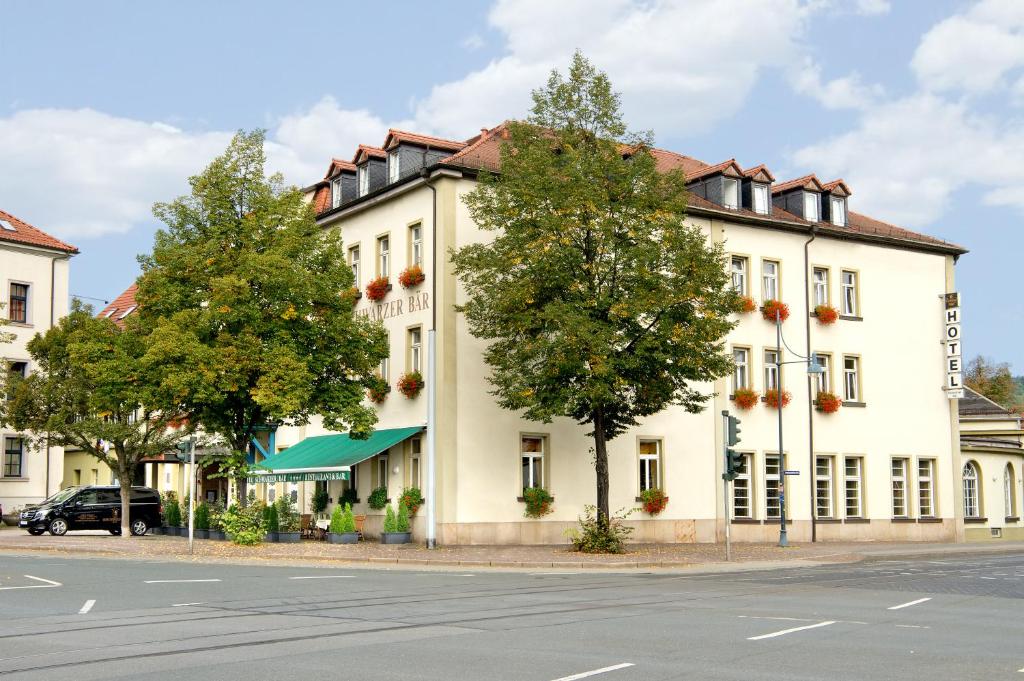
<point x="376" y="152"/>
<point x="122" y="306"/>
<point x="398" y="136"/>
<point x="711" y="170"/>
<point x="795" y="183"/>
<point x="21" y="232"/>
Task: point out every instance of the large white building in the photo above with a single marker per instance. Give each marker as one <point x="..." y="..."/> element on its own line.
<point x="34" y="269"/>
<point x="886" y="465"/>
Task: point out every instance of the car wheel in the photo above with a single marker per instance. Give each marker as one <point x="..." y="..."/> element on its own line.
<point x="58" y="527"/>
<point x="36" y="533"/>
<point x="139" y="527"/>
<point x="115" y="532"/>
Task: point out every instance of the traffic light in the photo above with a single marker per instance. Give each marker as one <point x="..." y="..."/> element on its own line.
<point x="733" y="459"/>
<point x="734" y="431"/>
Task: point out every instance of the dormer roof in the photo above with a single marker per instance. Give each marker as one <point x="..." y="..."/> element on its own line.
<point x="837" y="188"/>
<point x="365" y="152"/>
<point x="759" y="173"/>
<point x="807" y="182"/>
<point x="121" y="307"/>
<point x="337" y="165"/>
<point x="396" y="137"/>
<point x="728" y="168"/>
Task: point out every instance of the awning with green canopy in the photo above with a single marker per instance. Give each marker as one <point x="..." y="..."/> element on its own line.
<point x="327" y="457"/>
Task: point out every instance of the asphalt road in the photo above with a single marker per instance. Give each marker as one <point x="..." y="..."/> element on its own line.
<point x="947" y="618"/>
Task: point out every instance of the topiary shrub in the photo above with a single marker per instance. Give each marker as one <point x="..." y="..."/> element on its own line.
<point x="172" y="513"/>
<point x="348" y="521"/>
<point x="390" y="520"/>
<point x="270" y="519"/>
<point x="337" y="520"/>
<point x="202" y="516"/>
<point x="402" y="522"/>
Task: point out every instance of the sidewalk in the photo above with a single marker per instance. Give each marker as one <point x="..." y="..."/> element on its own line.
<point x="698" y="557"/>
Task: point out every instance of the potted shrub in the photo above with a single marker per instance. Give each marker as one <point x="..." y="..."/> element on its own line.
<point x="654" y="500"/>
<point x="289" y="522"/>
<point x="378" y="498"/>
<point x="396" y="527"/>
<point x="378" y="390"/>
<point x="378" y="288"/>
<point x="202" y="521"/>
<point x="217" y="521"/>
<point x="771" y="398"/>
<point x="245" y="525"/>
<point x="411" y="276"/>
<point x="410" y="384"/>
<point x="343" y="526"/>
<point x="270" y="522"/>
<point x="828" y="403"/>
<point x="826" y="314"/>
<point x="745" y="398"/>
<point x="771" y="307"/>
<point x="412" y="498"/>
<point x="538" y="502"/>
<point x="172" y="516"/>
<point x="13" y="517"/>
<point x="747" y="304"/>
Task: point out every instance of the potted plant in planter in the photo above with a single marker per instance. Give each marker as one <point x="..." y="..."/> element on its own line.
<point x="378" y="498"/>
<point x="216" y="521"/>
<point x="411" y="276"/>
<point x="654" y="500"/>
<point x="410" y="384"/>
<point x="771" y="398"/>
<point x="270" y="522"/>
<point x="172" y="516"/>
<point x="747" y="304"/>
<point x="289" y="522"/>
<point x="378" y="390"/>
<point x="412" y="497"/>
<point x="826" y="314"/>
<point x="244" y="526"/>
<point x="202" y="527"/>
<point x="396" y="528"/>
<point x="378" y="288"/>
<point x="538" y="502"/>
<point x="343" y="526"/>
<point x="828" y="403"/>
<point x="745" y="398"/>
<point x="771" y="307"/>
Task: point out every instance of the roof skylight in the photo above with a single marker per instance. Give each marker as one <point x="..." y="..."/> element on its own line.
<point x="7" y="226"/>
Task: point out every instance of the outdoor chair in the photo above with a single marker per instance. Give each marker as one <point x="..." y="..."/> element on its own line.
<point x="360" y="519"/>
<point x="307" y="526"/>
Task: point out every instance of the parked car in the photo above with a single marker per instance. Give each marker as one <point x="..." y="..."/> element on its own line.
<point x="94" y="507"/>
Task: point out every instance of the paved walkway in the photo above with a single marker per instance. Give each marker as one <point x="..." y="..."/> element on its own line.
<point x="710" y="557"/>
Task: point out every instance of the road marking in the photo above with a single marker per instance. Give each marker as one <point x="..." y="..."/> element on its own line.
<point x="787" y="619"/>
<point x="87" y="607"/>
<point x="49" y="583"/>
<point x="913" y="626"/>
<point x="177" y="581"/>
<point x="325" y="577"/>
<point x="980" y="577"/>
<point x="790" y="631"/>
<point x="181" y="605"/>
<point x="907" y="605"/>
<point x="595" y="672"/>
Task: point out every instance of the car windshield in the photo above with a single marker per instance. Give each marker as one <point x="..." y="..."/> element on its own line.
<point x="61" y="496"/>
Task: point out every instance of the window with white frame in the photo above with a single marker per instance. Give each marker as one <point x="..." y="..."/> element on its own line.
<point x="742" y="492"/>
<point x="383" y="256"/>
<point x="820" y="283"/>
<point x="650" y="464"/>
<point x="385" y="362"/>
<point x="363" y="179"/>
<point x="415" y="451"/>
<point x="741" y="374"/>
<point x="824" y="487"/>
<point x="854" y="487"/>
<point x="972" y="490"/>
<point x="416" y="242"/>
<point x="17" y="305"/>
<point x="1009" y="492"/>
<point x="415" y="349"/>
<point x="926" y="488"/>
<point x="760" y="198"/>
<point x="899" y="489"/>
<point x="770" y="280"/>
<point x="823" y="381"/>
<point x="773" y="481"/>
<point x="532" y="457"/>
<point x="771" y="370"/>
<point x="394" y="171"/>
<point x="382" y="471"/>
<point x="336" y="192"/>
<point x="353" y="262"/>
<point x="730" y="192"/>
<point x="838" y="211"/>
<point x="739" y="274"/>
<point x="14" y="454"/>
<point x="851" y="378"/>
<point x="811" y="206"/>
<point x="849" y="285"/>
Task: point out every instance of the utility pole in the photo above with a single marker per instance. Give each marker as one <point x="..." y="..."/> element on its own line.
<point x="725" y="483"/>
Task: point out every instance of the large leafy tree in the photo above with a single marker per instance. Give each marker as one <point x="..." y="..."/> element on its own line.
<point x="90" y="390"/>
<point x="600" y="304"/>
<point x="994" y="381"/>
<point x="250" y="309"/>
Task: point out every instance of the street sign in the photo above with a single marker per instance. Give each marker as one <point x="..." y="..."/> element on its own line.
<point x="791" y="472"/>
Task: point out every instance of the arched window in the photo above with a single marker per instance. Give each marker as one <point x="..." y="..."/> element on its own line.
<point x="1009" y="492"/>
<point x="972" y="492"/>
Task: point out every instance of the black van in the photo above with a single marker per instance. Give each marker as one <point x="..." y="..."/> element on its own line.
<point x="92" y="508"/>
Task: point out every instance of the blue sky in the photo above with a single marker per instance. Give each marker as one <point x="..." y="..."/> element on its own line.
<point x="106" y="107"/>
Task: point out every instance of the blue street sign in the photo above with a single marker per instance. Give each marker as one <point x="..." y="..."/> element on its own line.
<point x="791" y="472"/>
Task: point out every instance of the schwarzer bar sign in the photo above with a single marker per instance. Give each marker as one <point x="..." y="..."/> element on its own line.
<point x="954" y="352"/>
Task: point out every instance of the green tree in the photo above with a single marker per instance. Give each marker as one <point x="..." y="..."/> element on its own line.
<point x="600" y="304"/>
<point x="251" y="310"/>
<point x="91" y="391"/>
<point x="994" y="381"/>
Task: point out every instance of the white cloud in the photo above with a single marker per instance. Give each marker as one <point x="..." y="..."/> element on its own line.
<point x="873" y="7"/>
<point x="473" y="42"/>
<point x="848" y="92"/>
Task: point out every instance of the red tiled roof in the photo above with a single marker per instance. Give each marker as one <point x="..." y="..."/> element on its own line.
<point x="25" y="233"/>
<point x="338" y="165"/>
<point x="481" y="152"/>
<point x="397" y="136"/>
<point x="829" y="186"/>
<point x="376" y="152"/>
<point x="122" y="306"/>
<point x="711" y="170"/>
<point x="751" y="172"/>
<point x="321" y="198"/>
<point x="798" y="182"/>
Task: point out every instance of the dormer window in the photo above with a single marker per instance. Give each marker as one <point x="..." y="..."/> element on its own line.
<point x="838" y="211"/>
<point x="730" y="192"/>
<point x="336" y="192"/>
<point x="393" y="166"/>
<point x="760" y="198"/>
<point x="811" y="206"/>
<point x="363" y="176"/>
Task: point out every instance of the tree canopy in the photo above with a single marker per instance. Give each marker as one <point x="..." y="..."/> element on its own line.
<point x="995" y="381"/>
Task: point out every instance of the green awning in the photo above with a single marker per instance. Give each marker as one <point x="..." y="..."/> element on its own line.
<point x="327" y="457"/>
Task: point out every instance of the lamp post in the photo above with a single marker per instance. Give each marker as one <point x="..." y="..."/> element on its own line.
<point x="812" y="368"/>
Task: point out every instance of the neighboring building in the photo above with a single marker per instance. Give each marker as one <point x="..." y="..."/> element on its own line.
<point x="992" y="453"/>
<point x="34" y="269"/>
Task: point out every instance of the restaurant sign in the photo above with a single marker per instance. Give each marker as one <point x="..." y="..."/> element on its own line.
<point x="317" y="476"/>
<point x="954" y="351"/>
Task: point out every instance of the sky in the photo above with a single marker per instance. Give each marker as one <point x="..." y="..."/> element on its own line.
<point x="109" y="106"/>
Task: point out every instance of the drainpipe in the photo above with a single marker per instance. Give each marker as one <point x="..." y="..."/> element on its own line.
<point x="810" y="377"/>
<point x="53" y="303"/>
<point x="431" y="500"/>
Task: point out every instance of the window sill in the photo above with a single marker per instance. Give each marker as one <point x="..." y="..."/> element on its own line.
<point x="354" y="501"/>
<point x="859" y="405"/>
<point x="1012" y="519"/>
<point x="523" y="499"/>
<point x="775" y="521"/>
<point x="827" y="521"/>
<point x="745" y="521"/>
<point x="851" y="318"/>
<point x="13" y="479"/>
<point x="929" y="519"/>
<point x="904" y="520"/>
<point x="857" y="521"/>
<point x="20" y="325"/>
<point x="975" y="521"/>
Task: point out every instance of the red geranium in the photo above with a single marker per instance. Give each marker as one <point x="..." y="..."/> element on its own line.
<point x="410" y="384"/>
<point x="745" y="398"/>
<point x="378" y="391"/>
<point x="771" y="307"/>
<point x="411" y="276"/>
<point x="826" y="314"/>
<point x="747" y="304"/>
<point x="378" y="288"/>
<point x="654" y="501"/>
<point x="828" y="403"/>
<point x="771" y="398"/>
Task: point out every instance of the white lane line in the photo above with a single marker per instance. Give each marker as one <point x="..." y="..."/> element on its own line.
<point x="785" y="619"/>
<point x="177" y="581"/>
<point x="595" y="672"/>
<point x="325" y="577"/>
<point x="87" y="607"/>
<point x="913" y="626"/>
<point x="181" y="605"/>
<point x="790" y="631"/>
<point x="48" y="584"/>
<point x="907" y="605"/>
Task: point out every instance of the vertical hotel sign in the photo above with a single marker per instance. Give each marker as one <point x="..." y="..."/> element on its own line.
<point x="954" y="351"/>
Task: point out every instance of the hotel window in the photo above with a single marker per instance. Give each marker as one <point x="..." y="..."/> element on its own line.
<point x="854" y="488"/>
<point x="770" y="280"/>
<point x="761" y="198"/>
<point x="385" y="363"/>
<point x="972" y="490"/>
<point x="772" y="482"/>
<point x="336" y="192"/>
<point x="823" y="381"/>
<point x="415" y="349"/>
<point x="810" y="206"/>
<point x="393" y="166"/>
<point x="926" y="488"/>
<point x="382" y="471"/>
<point x="849" y="285"/>
<point x="416" y="244"/>
<point x="739" y="275"/>
<point x="838" y="211"/>
<point x="742" y="494"/>
<point x="820" y="286"/>
<point x="741" y="374"/>
<point x="353" y="261"/>
<point x="650" y="464"/>
<point x="17" y="308"/>
<point x="1009" y="492"/>
<point x="730" y="193"/>
<point x="532" y="457"/>
<point x="363" y="178"/>
<point x="899" y="488"/>
<point x="383" y="256"/>
<point x="771" y="370"/>
<point x="415" y="450"/>
<point x="851" y="379"/>
<point x="13" y="454"/>
<point x="824" y="488"/>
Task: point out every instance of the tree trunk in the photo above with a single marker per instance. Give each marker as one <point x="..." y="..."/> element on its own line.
<point x="601" y="466"/>
<point x="125" y="477"/>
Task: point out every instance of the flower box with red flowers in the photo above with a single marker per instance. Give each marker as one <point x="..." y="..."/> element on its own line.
<point x="654" y="500"/>
<point x="747" y="304"/>
<point x="826" y="314"/>
<point x="410" y="384"/>
<point x="353" y="294"/>
<point x="771" y="398"/>
<point x="378" y="288"/>
<point x="745" y="398"/>
<point x="828" y="403"/>
<point x="773" y="308"/>
<point x="378" y="391"/>
<point x="411" y="276"/>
